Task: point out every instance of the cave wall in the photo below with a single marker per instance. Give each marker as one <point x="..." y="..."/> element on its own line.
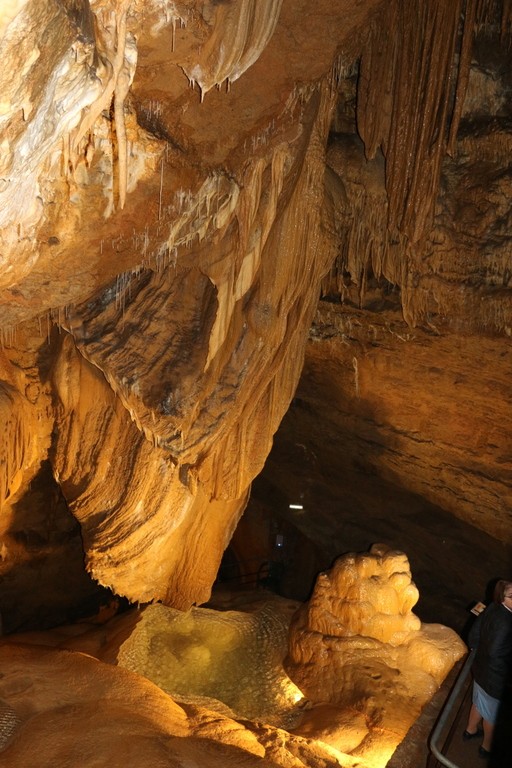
<point x="172" y="207"/>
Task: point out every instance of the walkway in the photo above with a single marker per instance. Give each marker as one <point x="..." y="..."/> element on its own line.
<point x="413" y="752"/>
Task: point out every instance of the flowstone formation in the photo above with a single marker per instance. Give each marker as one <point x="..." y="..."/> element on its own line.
<point x="162" y="685"/>
<point x="358" y="648"/>
<point x="180" y="181"/>
<point x="229" y="661"/>
<point x="69" y="709"/>
<point x="360" y="662"/>
<point x="161" y="267"/>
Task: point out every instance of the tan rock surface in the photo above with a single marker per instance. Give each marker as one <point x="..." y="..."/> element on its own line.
<point x="182" y="267"/>
<point x="224" y="669"/>
<point x="179" y="182"/>
<point x="75" y="710"/>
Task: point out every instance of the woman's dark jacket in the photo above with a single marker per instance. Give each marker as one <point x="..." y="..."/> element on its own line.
<point x="491" y="635"/>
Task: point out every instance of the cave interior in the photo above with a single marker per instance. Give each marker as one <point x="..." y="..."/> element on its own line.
<point x="255" y="303"/>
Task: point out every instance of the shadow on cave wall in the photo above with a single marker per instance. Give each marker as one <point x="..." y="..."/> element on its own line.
<point x="43" y="581"/>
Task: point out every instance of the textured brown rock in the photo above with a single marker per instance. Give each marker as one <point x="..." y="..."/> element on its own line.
<point x="75" y="709"/>
<point x="448" y="405"/>
<point x="200" y="275"/>
<point x="179" y="182"/>
<point x="224" y="669"/>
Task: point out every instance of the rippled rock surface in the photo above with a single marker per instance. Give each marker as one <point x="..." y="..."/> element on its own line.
<point x="211" y="656"/>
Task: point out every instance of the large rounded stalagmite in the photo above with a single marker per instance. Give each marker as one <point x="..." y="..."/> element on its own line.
<point x="357" y="644"/>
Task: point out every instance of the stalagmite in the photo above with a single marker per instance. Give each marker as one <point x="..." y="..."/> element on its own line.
<point x="357" y="644"/>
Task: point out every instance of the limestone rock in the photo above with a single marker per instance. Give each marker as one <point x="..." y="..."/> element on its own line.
<point x="358" y="645"/>
<point x="73" y="709"/>
<point x="183" y="312"/>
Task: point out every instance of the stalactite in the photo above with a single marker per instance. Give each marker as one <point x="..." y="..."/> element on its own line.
<point x="365" y="244"/>
<point x="16" y="443"/>
<point x="122" y="85"/>
<point x="161" y="189"/>
<point x="506" y="20"/>
<point x="405" y="91"/>
<point x="374" y="83"/>
<point x="241" y="32"/>
<point x="416" y="146"/>
<point x="495" y="15"/>
<point x="192" y="221"/>
<point x="478" y="15"/>
<point x="404" y="105"/>
<point x="120" y="72"/>
<point x="415" y="80"/>
<point x="463" y="73"/>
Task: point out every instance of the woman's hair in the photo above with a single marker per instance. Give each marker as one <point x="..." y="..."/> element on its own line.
<point x="499" y="590"/>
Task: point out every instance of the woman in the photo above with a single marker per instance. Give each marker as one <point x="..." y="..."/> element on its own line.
<point x="491" y="635"/>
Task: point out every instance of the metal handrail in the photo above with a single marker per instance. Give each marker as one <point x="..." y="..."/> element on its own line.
<point x="446" y="712"/>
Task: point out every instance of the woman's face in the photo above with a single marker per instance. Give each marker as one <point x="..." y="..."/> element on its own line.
<point x="507" y="596"/>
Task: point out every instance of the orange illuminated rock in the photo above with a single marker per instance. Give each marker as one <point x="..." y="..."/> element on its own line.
<point x="357" y="644"/>
<point x="168" y="250"/>
<point x="70" y="709"/>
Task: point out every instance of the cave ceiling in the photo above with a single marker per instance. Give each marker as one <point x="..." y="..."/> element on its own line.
<point x="180" y="182"/>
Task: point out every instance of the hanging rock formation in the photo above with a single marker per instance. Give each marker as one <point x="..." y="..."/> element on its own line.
<point x="167" y="262"/>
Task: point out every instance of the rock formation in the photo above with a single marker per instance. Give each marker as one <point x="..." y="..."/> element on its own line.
<point x="161" y="268"/>
<point x="181" y="181"/>
<point x="358" y="645"/>
<point x="366" y="664"/>
<point x="74" y="710"/>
